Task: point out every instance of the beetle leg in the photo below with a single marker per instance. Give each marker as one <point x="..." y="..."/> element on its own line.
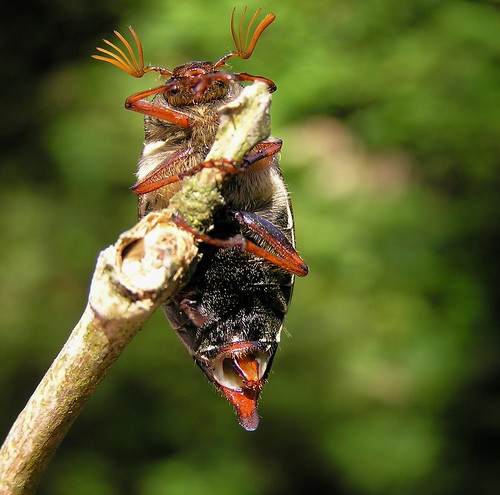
<point x="138" y="103"/>
<point x="206" y="80"/>
<point x="264" y="149"/>
<point x="243" y="76"/>
<point x="288" y="263"/>
<point x="268" y="232"/>
<point x="157" y="178"/>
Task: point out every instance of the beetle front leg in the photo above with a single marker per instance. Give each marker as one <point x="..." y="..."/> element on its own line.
<point x="138" y="103"/>
<point x="243" y="76"/>
<point x="205" y="80"/>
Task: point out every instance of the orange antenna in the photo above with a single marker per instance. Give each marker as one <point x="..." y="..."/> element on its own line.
<point x="128" y="63"/>
<point x="245" y="49"/>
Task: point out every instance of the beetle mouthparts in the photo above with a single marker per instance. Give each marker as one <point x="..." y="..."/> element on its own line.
<point x="239" y="371"/>
<point x="245" y="404"/>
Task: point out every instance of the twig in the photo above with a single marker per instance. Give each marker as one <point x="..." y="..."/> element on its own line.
<point x="145" y="267"/>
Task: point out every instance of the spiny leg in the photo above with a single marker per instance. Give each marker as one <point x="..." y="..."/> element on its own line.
<point x="273" y="236"/>
<point x="157" y="179"/>
<point x="159" y="175"/>
<point x="138" y="103"/>
<point x="240" y="242"/>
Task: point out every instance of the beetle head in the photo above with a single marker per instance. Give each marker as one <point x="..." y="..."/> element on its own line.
<point x="191" y="83"/>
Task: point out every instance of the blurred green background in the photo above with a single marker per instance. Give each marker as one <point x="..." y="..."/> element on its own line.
<point x="388" y="377"/>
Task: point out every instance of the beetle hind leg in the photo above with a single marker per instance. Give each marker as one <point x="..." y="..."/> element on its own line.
<point x="286" y="256"/>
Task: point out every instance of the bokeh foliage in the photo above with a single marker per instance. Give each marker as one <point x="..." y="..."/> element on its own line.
<point x="386" y="380"/>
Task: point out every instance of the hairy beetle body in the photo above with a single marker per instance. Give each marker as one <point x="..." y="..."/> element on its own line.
<point x="230" y="313"/>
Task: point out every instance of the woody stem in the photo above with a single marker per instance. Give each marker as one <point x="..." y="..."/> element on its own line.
<point x="144" y="268"/>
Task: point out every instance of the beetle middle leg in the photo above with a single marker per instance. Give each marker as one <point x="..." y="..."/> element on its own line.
<point x="157" y="179"/>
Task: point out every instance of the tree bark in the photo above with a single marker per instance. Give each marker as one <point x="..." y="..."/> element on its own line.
<point x="145" y="267"/>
